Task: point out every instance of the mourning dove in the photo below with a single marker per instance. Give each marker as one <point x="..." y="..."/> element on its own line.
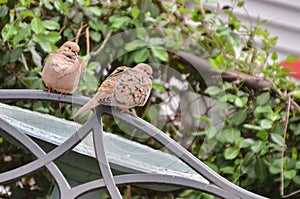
<point x="124" y="88"/>
<point x="63" y="69"/>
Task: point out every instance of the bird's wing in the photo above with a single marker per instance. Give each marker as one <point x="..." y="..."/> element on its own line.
<point x="132" y="89"/>
<point x="104" y="93"/>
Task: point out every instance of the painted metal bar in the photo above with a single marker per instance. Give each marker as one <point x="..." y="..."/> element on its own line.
<point x="218" y="185"/>
<point x="61" y="182"/>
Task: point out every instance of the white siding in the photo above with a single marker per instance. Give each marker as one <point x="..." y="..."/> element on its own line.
<point x="283" y="20"/>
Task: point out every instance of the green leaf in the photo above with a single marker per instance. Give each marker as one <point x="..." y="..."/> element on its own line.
<point x="291" y="58"/>
<point x="212" y="166"/>
<point x="252" y="127"/>
<point x="296" y="180"/>
<point x="213" y="90"/>
<point x="231" y="153"/>
<point x="3" y="1"/>
<point x="43" y="42"/>
<point x="15" y="54"/>
<point x="10" y="80"/>
<point x="248" y="159"/>
<point x="87" y="3"/>
<point x="22" y="35"/>
<point x="296" y="94"/>
<point x="294" y="153"/>
<point x="244" y="143"/>
<point x="160" y="53"/>
<point x="141" y="55"/>
<point x="263" y="98"/>
<point x="297" y="165"/>
<point x="277" y="138"/>
<point x="220" y="60"/>
<point x="290" y="174"/>
<point x="5" y="58"/>
<point x="294" y="127"/>
<point x="263" y="135"/>
<point x="240" y="3"/>
<point x="202" y="118"/>
<point x="135" y="12"/>
<point x="228" y="97"/>
<point x="274" y="168"/>
<point x="91" y="81"/>
<point x="8" y="31"/>
<point x="68" y="33"/>
<point x="226" y="86"/>
<point x="274" y="56"/>
<point x="158" y="87"/>
<point x="257" y="146"/>
<point x="214" y="64"/>
<point x="185" y="10"/>
<point x="211" y="131"/>
<point x="224" y="31"/>
<point x="260" y="169"/>
<point x="135" y="44"/>
<point x="231" y="134"/>
<point x="263" y="109"/>
<point x="37" y="25"/>
<point x="227" y="170"/>
<point x="142" y="34"/>
<point x="61" y="7"/>
<point x="95" y="11"/>
<point x="53" y="37"/>
<point x="241" y="102"/>
<point x="36" y="57"/>
<point x="3" y="11"/>
<point x="239" y="117"/>
<point x="156" y="41"/>
<point x="95" y="36"/>
<point x="266" y="123"/>
<point x="51" y="25"/>
<point x="26" y="13"/>
<point x="97" y="25"/>
<point x="78" y="18"/>
<point x="93" y="65"/>
<point x="118" y="22"/>
<point x="186" y="193"/>
<point x="261" y="22"/>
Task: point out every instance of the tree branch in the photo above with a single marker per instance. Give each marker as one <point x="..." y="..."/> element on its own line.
<point x="96" y="52"/>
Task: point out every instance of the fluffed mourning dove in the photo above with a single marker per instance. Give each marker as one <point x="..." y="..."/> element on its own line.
<point x="63" y="69"/>
<point x="124" y="88"/>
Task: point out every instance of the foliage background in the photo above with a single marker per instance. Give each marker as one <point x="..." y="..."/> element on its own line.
<point x="258" y="148"/>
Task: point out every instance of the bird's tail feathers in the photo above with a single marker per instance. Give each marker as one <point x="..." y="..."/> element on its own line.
<point x="91" y="104"/>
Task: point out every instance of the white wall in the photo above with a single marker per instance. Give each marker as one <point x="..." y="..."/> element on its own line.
<point x="283" y="20"/>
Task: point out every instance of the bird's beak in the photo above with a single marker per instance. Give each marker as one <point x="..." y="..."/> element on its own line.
<point x="76" y="55"/>
<point x="151" y="77"/>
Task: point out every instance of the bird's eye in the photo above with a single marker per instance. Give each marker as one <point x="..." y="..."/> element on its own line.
<point x="70" y="47"/>
<point x="145" y="70"/>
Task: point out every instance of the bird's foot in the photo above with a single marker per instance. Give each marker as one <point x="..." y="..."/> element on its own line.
<point x="62" y="93"/>
<point x="48" y="90"/>
<point x="128" y="111"/>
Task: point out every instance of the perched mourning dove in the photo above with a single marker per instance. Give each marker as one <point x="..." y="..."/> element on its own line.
<point x="63" y="69"/>
<point x="125" y="88"/>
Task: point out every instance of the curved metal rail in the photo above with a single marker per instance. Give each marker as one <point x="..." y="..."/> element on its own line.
<point x="217" y="185"/>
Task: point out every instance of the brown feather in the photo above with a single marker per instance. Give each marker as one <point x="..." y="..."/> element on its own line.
<point x="125" y="88"/>
<point x="63" y="68"/>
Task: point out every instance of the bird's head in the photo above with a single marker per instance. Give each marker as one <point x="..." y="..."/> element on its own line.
<point x="70" y="47"/>
<point x="144" y="68"/>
